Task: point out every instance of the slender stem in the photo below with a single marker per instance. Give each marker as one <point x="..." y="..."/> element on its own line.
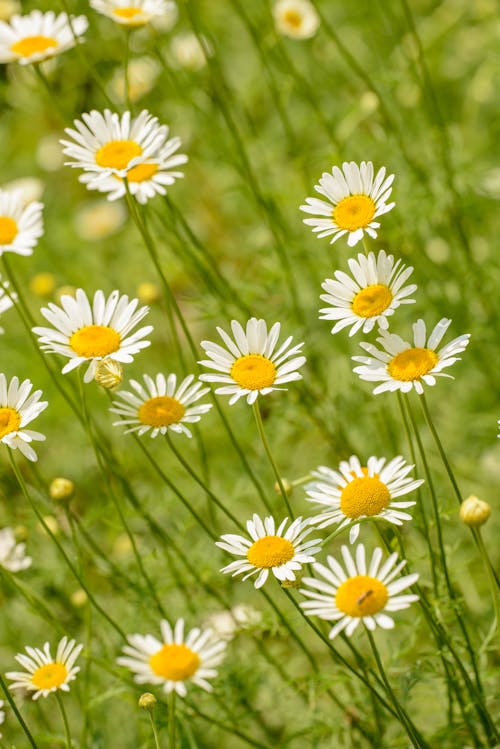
<point x="53" y="98"/>
<point x="262" y="434"/>
<point x="126" y="62"/>
<point x="491" y="579"/>
<point x="155" y="730"/>
<point x="67" y="731"/>
<point x="16" y="712"/>
<point x="171" y="720"/>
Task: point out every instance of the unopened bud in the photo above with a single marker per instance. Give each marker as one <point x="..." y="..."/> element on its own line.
<point x="474" y="511"/>
<point x="78" y="598"/>
<point x="287" y="486"/>
<point x="109" y="373"/>
<point x="61" y="488"/>
<point x="292" y="583"/>
<point x="42" y="284"/>
<point x="147" y="701"/>
<point x="148" y="292"/>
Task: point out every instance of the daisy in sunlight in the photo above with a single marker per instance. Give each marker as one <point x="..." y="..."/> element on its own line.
<point x="18" y="407"/>
<point x="38" y="36"/>
<point x="21" y="225"/>
<point x="295" y="18"/>
<point x="132" y="12"/>
<point x="44" y="674"/>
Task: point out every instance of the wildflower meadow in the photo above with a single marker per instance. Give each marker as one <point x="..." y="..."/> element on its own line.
<point x="249" y="359"/>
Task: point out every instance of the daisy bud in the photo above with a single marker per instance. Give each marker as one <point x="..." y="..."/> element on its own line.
<point x="78" y="598"/>
<point x="109" y="373"/>
<point x="287" y="486"/>
<point x="61" y="488"/>
<point x="42" y="284"/>
<point x="147" y="701"/>
<point x="148" y="292"/>
<point x="474" y="511"/>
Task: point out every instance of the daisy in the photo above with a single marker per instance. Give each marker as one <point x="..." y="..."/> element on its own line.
<point x="370" y="297"/>
<point x="252" y="365"/>
<point x="160" y="405"/>
<point x="270" y="549"/>
<point x="355" y="198"/>
<point x="132" y="12"/>
<point x="144" y="180"/>
<point x="12" y="556"/>
<point x="175" y="660"/>
<point x="20" y="225"/>
<point x="108" y="144"/>
<point x="358" y="593"/>
<point x="356" y="491"/>
<point x="38" y="36"/>
<point x="295" y="18"/>
<point x="18" y="408"/>
<point x="401" y="366"/>
<point x="2" y="714"/>
<point x="86" y="333"/>
<point x="43" y="673"/>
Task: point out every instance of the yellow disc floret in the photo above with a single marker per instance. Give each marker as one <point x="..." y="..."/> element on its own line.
<point x="117" y="154"/>
<point x="361" y="596"/>
<point x="10" y="421"/>
<point x="128" y="13"/>
<point x="293" y="18"/>
<point x="95" y="340"/>
<point x="365" y="495"/>
<point x="161" y="411"/>
<point x="371" y="301"/>
<point x="412" y="364"/>
<point x="32" y="45"/>
<point x="354" y="212"/>
<point x="270" y="551"/>
<point x="50" y="676"/>
<point x="253" y="372"/>
<point x="175" y="662"/>
<point x="8" y="229"/>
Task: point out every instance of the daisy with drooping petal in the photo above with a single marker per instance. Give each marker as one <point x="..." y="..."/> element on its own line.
<point x="17" y="409"/>
<point x="160" y="405"/>
<point x="358" y="592"/>
<point x="38" y="36"/>
<point x="12" y="554"/>
<point x="370" y="297"/>
<point x="132" y="12"/>
<point x="356" y="197"/>
<point x="270" y="549"/>
<point x="88" y="333"/>
<point x="355" y="491"/>
<point x="21" y="225"/>
<point x="401" y="366"/>
<point x="251" y="365"/>
<point x="45" y="674"/>
<point x="295" y="18"/>
<point x="176" y="660"/>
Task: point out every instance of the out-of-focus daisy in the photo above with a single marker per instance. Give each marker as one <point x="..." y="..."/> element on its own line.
<point x="358" y="592"/>
<point x="88" y="333"/>
<point x="295" y="18"/>
<point x="31" y="188"/>
<point x="251" y="365"/>
<point x="401" y="366"/>
<point x="38" y="36"/>
<point x="226" y="624"/>
<point x="188" y="52"/>
<point x="12" y="554"/>
<point x="356" y="491"/>
<point x="99" y="219"/>
<point x="160" y="405"/>
<point x="132" y="12"/>
<point x="142" y="75"/>
<point x="8" y="8"/>
<point x="370" y="297"/>
<point x="270" y="549"/>
<point x="176" y="660"/>
<point x="44" y="674"/>
<point x="17" y="409"/>
<point x="20" y="225"/>
<point x="356" y="197"/>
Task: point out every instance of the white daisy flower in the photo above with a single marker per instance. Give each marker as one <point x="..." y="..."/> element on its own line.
<point x="89" y="333"/>
<point x="160" y="405"/>
<point x="370" y="297"/>
<point x="12" y="554"/>
<point x="356" y="491"/>
<point x="38" y="36"/>
<point x="176" y="660"/>
<point x="295" y="18"/>
<point x="111" y="144"/>
<point x="270" y="549"/>
<point x="252" y="365"/>
<point x="358" y="593"/>
<point x="401" y="366"/>
<point x="132" y="12"/>
<point x="20" y="225"/>
<point x="17" y="409"/>
<point x="45" y="674"/>
<point x="144" y="180"/>
<point x="355" y="198"/>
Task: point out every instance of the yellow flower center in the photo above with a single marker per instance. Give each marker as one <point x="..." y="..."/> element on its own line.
<point x="372" y="300"/>
<point x="270" y="551"/>
<point x="161" y="411"/>
<point x="127" y="12"/>
<point x="8" y="229"/>
<point x="95" y="340"/>
<point x="293" y="18"/>
<point x="361" y="596"/>
<point x="412" y="364"/>
<point x="141" y="172"/>
<point x="365" y="495"/>
<point x="174" y="662"/>
<point x="253" y="372"/>
<point x="117" y="153"/>
<point x="10" y="421"/>
<point x="30" y="45"/>
<point x="354" y="212"/>
<point x="49" y="676"/>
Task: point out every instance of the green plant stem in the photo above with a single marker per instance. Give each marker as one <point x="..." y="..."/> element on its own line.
<point x="67" y="731"/>
<point x="265" y="443"/>
<point x="172" y="741"/>
<point x="155" y="730"/>
<point x="126" y="63"/>
<point x="16" y="712"/>
<point x="54" y="100"/>
<point x="491" y="579"/>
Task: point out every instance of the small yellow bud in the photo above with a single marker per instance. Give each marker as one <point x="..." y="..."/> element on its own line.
<point x="474" y="512"/>
<point x="148" y="292"/>
<point x="109" y="374"/>
<point x="147" y="701"/>
<point x="78" y="598"/>
<point x="292" y="583"/>
<point x="42" y="284"/>
<point x="61" y="488"/>
<point x="20" y="533"/>
<point x="287" y="486"/>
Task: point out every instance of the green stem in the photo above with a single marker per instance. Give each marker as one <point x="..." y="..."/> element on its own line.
<point x="53" y="98"/>
<point x="155" y="730"/>
<point x="67" y="731"/>
<point x="171" y="720"/>
<point x="262" y="434"/>
<point x="126" y="70"/>
<point x="16" y="712"/>
<point x="492" y="581"/>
